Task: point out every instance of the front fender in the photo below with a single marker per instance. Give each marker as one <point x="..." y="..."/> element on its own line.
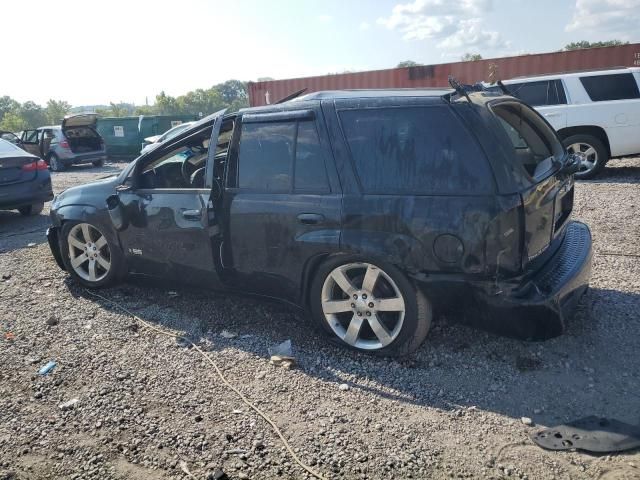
<point x="79" y="213"/>
<point x="89" y="214"/>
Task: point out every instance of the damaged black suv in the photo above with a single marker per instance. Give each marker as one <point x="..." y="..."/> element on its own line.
<point x="371" y="210"/>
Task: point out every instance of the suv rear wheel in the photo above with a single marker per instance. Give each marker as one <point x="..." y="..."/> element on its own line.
<point x="370" y="307"/>
<point x="54" y="163"/>
<point x="89" y="256"/>
<point x="592" y="151"/>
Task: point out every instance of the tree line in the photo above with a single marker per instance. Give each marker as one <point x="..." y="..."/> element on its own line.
<point x="232" y="94"/>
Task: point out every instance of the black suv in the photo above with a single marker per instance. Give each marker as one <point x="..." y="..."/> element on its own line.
<point x="368" y="209"/>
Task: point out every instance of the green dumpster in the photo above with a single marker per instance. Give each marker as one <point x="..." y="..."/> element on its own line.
<point x="123" y="136"/>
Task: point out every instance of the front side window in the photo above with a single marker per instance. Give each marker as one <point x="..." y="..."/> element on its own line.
<point x="535" y="145"/>
<point x="619" y="86"/>
<point x="415" y="150"/>
<point x="179" y="167"/>
<point x="277" y="157"/>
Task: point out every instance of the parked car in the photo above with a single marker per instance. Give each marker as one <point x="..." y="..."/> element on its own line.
<point x="368" y="209"/>
<point x="151" y="142"/>
<point x="74" y="142"/>
<point x="10" y="137"/>
<point x="596" y="113"/>
<point x="25" y="183"/>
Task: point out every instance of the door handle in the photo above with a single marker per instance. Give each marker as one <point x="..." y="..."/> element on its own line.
<point x="310" y="218"/>
<point x="192" y="214"/>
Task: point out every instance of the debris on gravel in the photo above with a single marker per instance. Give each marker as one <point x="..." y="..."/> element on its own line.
<point x="454" y="409"/>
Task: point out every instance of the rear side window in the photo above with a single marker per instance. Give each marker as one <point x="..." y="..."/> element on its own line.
<point x="534" y="143"/>
<point x="620" y="86"/>
<point x="538" y="94"/>
<point x="416" y="150"/>
<point x="279" y="157"/>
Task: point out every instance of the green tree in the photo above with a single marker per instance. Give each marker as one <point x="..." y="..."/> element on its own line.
<point x="166" y="104"/>
<point x="56" y="110"/>
<point x="471" y="57"/>
<point x="145" y="110"/>
<point x="585" y="44"/>
<point x="33" y="114"/>
<point x="408" y="63"/>
<point x="232" y="90"/>
<point x="7" y="104"/>
<point x="200" y="101"/>
<point x="12" y="122"/>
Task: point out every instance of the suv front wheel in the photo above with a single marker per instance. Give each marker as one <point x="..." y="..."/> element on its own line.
<point x="370" y="307"/>
<point x="592" y="153"/>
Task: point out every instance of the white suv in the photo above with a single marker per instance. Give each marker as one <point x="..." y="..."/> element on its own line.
<point x="596" y="113"/>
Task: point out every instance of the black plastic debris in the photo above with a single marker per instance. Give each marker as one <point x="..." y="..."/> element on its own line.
<point x="591" y="434"/>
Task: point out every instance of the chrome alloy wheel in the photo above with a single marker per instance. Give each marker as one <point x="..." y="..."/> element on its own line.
<point x="588" y="156"/>
<point x="89" y="252"/>
<point x="363" y="305"/>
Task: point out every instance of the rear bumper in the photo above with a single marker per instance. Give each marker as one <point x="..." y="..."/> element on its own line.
<point x="76" y="159"/>
<point x="538" y="307"/>
<point x="26" y="193"/>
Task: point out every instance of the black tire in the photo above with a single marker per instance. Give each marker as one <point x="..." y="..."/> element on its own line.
<point x="33" y="209"/>
<point x="602" y="155"/>
<point x="98" y="163"/>
<point x="55" y="164"/>
<point x="117" y="270"/>
<point x="418" y="310"/>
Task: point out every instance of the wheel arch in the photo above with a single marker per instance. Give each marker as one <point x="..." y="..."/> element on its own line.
<point x="593" y="130"/>
<point x="313" y="264"/>
<point x="88" y="214"/>
<point x="310" y="268"/>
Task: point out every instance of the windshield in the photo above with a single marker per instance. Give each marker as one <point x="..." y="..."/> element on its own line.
<point x="535" y="144"/>
<point x="174" y="131"/>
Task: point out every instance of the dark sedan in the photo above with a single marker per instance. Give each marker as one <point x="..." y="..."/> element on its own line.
<point x="25" y="183"/>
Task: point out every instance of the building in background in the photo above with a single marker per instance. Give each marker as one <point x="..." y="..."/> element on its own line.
<point x="489" y="70"/>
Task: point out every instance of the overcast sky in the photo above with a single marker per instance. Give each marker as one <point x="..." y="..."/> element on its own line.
<point x="94" y="52"/>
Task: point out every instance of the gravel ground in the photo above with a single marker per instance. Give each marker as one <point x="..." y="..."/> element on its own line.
<point x="146" y="403"/>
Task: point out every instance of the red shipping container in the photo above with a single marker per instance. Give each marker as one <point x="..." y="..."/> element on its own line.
<point x="263" y="93"/>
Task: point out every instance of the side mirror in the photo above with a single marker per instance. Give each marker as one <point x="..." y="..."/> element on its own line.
<point x="116" y="212"/>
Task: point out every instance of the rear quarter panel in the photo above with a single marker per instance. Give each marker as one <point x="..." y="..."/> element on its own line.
<point x="402" y="229"/>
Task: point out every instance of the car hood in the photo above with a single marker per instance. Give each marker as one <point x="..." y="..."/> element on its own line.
<point x="93" y="193"/>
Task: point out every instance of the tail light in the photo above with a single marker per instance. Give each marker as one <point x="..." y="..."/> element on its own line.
<point x="33" y="166"/>
<point x="64" y="144"/>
